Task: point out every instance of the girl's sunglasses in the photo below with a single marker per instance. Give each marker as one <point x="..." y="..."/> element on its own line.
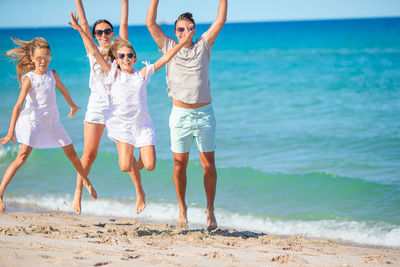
<point x="122" y="55"/>
<point x="45" y="58"/>
<point x="106" y="32"/>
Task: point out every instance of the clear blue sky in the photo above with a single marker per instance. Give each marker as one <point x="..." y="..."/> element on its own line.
<point x="39" y="13"/>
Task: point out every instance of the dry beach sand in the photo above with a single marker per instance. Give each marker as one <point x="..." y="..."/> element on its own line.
<point x="61" y="239"/>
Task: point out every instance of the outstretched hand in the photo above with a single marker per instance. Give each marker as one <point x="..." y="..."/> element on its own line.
<point x="75" y="22"/>
<point x="7" y="139"/>
<point x="74" y="109"/>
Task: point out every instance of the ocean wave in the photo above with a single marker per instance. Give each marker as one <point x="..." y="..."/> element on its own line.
<point x="361" y="232"/>
<point x="8" y="152"/>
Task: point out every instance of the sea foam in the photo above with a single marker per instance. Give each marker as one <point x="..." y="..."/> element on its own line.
<point x="365" y="233"/>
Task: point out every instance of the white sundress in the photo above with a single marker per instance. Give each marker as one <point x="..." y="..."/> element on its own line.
<point x="129" y="120"/>
<point x="39" y="125"/>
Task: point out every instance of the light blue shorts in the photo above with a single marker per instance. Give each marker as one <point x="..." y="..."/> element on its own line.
<point x="195" y="123"/>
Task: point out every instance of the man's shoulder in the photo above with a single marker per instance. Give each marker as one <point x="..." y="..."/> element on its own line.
<point x="169" y="40"/>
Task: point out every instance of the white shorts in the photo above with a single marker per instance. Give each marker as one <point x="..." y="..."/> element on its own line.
<point x="98" y="108"/>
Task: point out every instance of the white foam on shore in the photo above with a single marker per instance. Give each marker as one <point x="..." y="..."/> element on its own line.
<point x="379" y="234"/>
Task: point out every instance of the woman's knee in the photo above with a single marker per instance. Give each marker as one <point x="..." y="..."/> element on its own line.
<point x="88" y="157"/>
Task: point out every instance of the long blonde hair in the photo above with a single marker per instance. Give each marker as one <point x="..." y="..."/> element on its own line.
<point x="23" y="54"/>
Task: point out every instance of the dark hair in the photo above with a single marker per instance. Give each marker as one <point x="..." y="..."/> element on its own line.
<point x="101" y="21"/>
<point x="186" y="17"/>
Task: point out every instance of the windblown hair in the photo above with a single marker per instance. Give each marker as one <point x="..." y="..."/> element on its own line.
<point x="186" y="17"/>
<point x="116" y="45"/>
<point x="101" y="21"/>
<point x="23" y="54"/>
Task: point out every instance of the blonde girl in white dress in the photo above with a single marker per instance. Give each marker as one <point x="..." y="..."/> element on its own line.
<point x="129" y="123"/>
<point x="38" y="125"/>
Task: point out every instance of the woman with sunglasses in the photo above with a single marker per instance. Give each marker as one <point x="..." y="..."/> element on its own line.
<point x="129" y="123"/>
<point x="99" y="100"/>
<point x="192" y="115"/>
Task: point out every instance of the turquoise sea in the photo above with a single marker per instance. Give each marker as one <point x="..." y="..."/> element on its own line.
<point x="308" y="132"/>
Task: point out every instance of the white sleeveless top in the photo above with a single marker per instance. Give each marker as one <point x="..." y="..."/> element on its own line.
<point x="96" y="78"/>
<point x="38" y="125"/>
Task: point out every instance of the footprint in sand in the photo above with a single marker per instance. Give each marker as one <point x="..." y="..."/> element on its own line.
<point x="285" y="259"/>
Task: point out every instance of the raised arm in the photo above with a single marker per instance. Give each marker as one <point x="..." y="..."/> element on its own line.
<point x="123" y="27"/>
<point x="155" y="30"/>
<point x="25" y="87"/>
<point x="169" y="54"/>
<point x="61" y="87"/>
<point x="89" y="44"/>
<point x="216" y="27"/>
<point x="82" y="17"/>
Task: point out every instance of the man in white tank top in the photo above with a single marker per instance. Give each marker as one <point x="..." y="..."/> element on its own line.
<point x="192" y="115"/>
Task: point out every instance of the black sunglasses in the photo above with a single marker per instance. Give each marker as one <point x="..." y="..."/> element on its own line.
<point x="122" y="55"/>
<point x="181" y="29"/>
<point x="106" y="32"/>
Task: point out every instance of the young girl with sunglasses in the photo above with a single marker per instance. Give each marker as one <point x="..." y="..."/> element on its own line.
<point x="99" y="97"/>
<point x="129" y="123"/>
<point x="38" y="125"/>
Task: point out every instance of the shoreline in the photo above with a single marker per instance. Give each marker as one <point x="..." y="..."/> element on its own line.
<point x="58" y="238"/>
<point x="33" y="208"/>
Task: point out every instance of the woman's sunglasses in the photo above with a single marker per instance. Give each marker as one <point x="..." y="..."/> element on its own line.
<point x="129" y="55"/>
<point x="106" y="32"/>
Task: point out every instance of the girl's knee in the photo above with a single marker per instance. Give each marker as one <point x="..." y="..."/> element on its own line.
<point x="150" y="166"/>
<point x="21" y="159"/>
<point x="125" y="166"/>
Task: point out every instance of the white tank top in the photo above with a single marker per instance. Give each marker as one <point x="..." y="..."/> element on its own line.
<point x="42" y="93"/>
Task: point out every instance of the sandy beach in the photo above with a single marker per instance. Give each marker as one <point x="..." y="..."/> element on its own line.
<point x="61" y="239"/>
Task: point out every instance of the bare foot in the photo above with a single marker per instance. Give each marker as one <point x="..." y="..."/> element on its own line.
<point x="76" y="204"/>
<point x="211" y="221"/>
<point x="91" y="190"/>
<point x="140" y="163"/>
<point x="182" y="221"/>
<point x="140" y="203"/>
<point x="2" y="205"/>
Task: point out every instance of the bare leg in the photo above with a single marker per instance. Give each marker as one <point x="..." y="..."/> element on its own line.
<point x="128" y="164"/>
<point x="179" y="175"/>
<point x="23" y="154"/>
<point x="92" y="135"/>
<point x="147" y="157"/>
<point x="210" y="184"/>
<point x="137" y="180"/>
<point x="140" y="162"/>
<point x="73" y="157"/>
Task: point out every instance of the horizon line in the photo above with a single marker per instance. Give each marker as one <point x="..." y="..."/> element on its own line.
<point x="228" y="22"/>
